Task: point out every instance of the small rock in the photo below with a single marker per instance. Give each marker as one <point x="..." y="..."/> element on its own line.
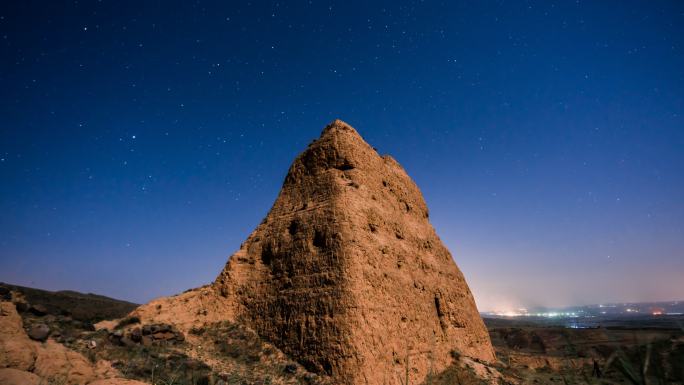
<point x="164" y="328"/>
<point x="39" y="332"/>
<point x="136" y="335"/>
<point x="21" y="306"/>
<point x="116" y="334"/>
<point x="92" y="344"/>
<point x="191" y="364"/>
<point x="146" y="341"/>
<point x="10" y="376"/>
<point x="125" y="341"/>
<point x="163" y="336"/>
<point x="38" y="310"/>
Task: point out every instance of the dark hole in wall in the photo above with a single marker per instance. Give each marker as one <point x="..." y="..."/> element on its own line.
<point x="309" y="365"/>
<point x="319" y="239"/>
<point x="293" y="228"/>
<point x="438" y="307"/>
<point x="440" y="312"/>
<point x="267" y="255"/>
<point x="345" y="166"/>
<point x="323" y="366"/>
<point x="327" y="367"/>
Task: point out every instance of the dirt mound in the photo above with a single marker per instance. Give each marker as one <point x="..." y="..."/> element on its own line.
<point x="347" y="275"/>
<point x="193" y="308"/>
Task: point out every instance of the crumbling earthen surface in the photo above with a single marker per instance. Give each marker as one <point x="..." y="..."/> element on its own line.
<point x="347" y="275"/>
<point x="23" y="361"/>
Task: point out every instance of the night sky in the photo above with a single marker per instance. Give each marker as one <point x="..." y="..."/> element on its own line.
<point x="141" y="142"/>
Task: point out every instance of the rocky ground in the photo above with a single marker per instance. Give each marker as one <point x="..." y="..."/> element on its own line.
<point x="634" y="353"/>
<point x="42" y="342"/>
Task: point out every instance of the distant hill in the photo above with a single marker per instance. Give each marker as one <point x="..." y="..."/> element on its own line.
<point x="84" y="307"/>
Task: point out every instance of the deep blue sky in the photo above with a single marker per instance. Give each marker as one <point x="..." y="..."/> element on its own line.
<point x="141" y="142"/>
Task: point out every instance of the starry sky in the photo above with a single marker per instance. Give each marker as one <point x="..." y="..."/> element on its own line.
<point x="141" y="142"/>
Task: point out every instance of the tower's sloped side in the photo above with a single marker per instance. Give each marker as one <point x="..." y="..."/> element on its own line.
<point x="347" y="275"/>
<point x="289" y="278"/>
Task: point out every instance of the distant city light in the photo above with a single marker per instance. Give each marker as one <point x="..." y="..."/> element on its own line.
<point x="525" y="313"/>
